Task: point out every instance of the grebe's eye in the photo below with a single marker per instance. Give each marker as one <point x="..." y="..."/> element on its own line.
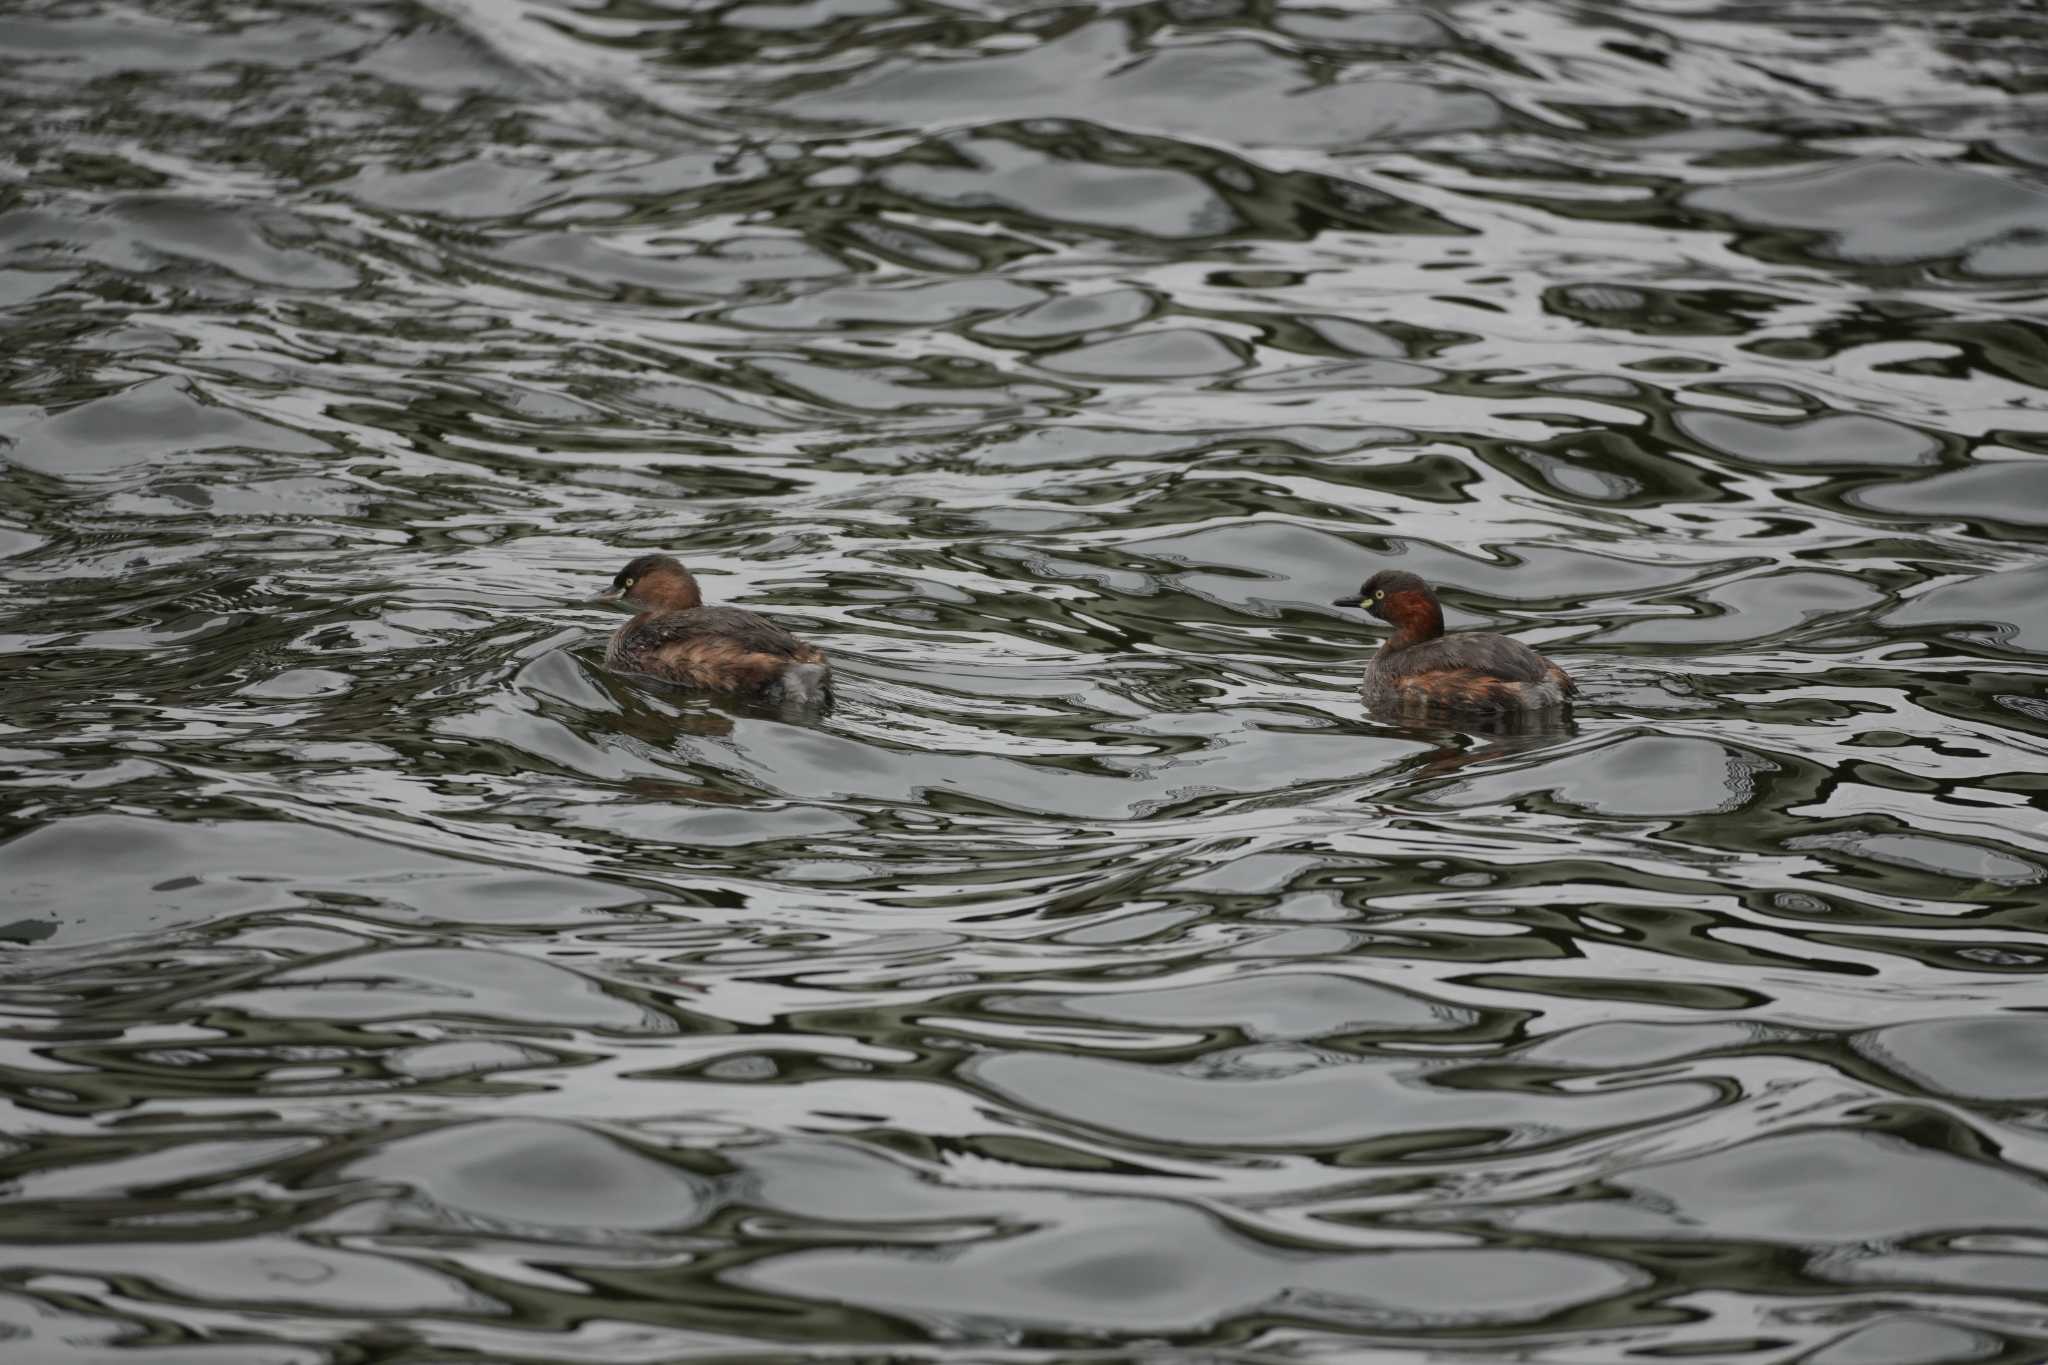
<point x="628" y="582"/>
<point x="1378" y="595"/>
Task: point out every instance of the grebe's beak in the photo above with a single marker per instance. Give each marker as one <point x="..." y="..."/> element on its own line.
<point x="611" y="594"/>
<point x="1352" y="601"/>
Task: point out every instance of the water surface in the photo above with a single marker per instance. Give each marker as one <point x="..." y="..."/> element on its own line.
<point x="382" y="981"/>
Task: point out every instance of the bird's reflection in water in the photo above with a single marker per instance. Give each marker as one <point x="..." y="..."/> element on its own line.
<point x="660" y="726"/>
<point x="1464" y="738"/>
<point x="685" y="791"/>
<point x="658" y="711"/>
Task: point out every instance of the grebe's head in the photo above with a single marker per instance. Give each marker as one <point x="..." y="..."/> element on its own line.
<point x="655" y="583"/>
<point x="1399" y="597"/>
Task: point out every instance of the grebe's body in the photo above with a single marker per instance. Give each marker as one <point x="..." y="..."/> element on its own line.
<point x="677" y="639"/>
<point x="1421" y="668"/>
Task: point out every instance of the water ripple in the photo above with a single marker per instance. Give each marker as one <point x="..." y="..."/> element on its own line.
<point x="381" y="978"/>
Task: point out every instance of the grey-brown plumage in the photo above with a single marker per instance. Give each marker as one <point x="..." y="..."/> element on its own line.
<point x="720" y="649"/>
<point x="1422" y="668"/>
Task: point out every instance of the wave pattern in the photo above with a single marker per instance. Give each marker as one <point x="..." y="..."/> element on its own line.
<point x="384" y="981"/>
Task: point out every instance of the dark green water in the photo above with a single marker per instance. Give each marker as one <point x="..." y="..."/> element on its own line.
<point x="383" y="982"/>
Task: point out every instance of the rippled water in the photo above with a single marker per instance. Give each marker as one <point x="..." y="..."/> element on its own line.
<point x="384" y="982"/>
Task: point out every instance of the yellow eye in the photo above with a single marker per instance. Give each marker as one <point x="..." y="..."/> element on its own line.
<point x="1378" y="595"/>
<point x="629" y="583"/>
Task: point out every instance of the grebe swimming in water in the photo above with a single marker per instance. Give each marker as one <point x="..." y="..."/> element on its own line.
<point x="678" y="639"/>
<point x="1420" y="668"/>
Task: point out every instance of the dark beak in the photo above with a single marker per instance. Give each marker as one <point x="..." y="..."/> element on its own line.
<point x="1352" y="601"/>
<point x="611" y="594"/>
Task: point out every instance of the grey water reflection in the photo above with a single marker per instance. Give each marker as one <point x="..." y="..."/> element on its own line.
<point x="380" y="980"/>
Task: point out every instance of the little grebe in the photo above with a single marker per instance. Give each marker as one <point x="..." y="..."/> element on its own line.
<point x="721" y="649"/>
<point x="1422" y="669"/>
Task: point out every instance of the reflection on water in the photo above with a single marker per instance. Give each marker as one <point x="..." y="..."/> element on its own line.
<point x="382" y="980"/>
